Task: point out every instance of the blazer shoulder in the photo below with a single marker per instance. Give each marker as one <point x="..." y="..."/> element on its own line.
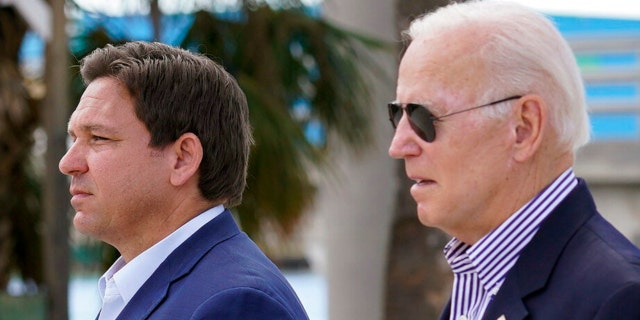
<point x="576" y="266"/>
<point x="609" y="247"/>
<point x="203" y="272"/>
<point x="247" y="303"/>
<point x="622" y="304"/>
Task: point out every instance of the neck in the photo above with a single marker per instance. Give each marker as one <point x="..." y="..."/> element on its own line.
<point x="158" y="227"/>
<point x="524" y="182"/>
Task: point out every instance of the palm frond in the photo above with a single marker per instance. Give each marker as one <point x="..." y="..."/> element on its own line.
<point x="280" y="56"/>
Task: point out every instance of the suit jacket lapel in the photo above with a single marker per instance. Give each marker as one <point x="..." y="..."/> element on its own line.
<point x="507" y="303"/>
<point x="446" y="311"/>
<point x="535" y="265"/>
<point x="178" y="264"/>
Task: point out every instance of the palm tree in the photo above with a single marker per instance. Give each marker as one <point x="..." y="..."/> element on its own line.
<point x="418" y="278"/>
<point x="284" y="58"/>
<point x="55" y="196"/>
<point x="280" y="57"/>
<point x="20" y="248"/>
<point x="25" y="188"/>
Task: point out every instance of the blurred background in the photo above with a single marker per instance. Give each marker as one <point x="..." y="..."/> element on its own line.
<point x="324" y="200"/>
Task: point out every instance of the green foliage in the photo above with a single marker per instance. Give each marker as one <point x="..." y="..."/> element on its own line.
<point x="280" y="56"/>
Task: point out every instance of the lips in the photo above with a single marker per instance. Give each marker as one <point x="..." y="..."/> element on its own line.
<point x="421" y="187"/>
<point x="420" y="180"/>
<point x="78" y="192"/>
<point x="77" y="195"/>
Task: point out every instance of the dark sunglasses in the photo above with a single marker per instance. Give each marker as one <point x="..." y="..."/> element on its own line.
<point x="422" y="120"/>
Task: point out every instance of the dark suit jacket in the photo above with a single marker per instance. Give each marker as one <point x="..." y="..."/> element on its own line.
<point x="218" y="273"/>
<point x="577" y="266"/>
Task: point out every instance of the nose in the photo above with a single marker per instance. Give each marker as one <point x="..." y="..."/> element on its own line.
<point x="73" y="162"/>
<point x="405" y="142"/>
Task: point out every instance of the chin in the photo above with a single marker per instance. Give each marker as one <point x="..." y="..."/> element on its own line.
<point x="425" y="221"/>
<point x="425" y="218"/>
<point x="84" y="224"/>
<point x="423" y="212"/>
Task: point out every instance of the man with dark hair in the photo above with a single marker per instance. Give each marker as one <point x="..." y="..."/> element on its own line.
<point x="161" y="142"/>
<point x="489" y="112"/>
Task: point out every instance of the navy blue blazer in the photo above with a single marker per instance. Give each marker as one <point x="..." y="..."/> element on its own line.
<point x="577" y="266"/>
<point x="217" y="273"/>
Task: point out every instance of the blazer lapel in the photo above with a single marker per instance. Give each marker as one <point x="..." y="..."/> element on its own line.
<point x="178" y="264"/>
<point x="507" y="304"/>
<point x="446" y="311"/>
<point x="536" y="262"/>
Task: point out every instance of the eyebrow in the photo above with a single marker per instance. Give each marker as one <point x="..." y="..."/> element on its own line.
<point x="93" y="128"/>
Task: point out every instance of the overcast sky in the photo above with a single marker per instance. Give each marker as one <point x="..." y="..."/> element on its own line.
<point x="597" y="8"/>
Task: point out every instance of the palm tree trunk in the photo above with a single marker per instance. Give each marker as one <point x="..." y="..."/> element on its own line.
<point x="56" y="203"/>
<point x="418" y="281"/>
<point x="156" y="19"/>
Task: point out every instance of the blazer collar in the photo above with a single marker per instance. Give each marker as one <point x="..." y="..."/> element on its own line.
<point x="178" y="264"/>
<point x="535" y="264"/>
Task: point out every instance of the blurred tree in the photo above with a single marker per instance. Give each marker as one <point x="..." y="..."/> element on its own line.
<point x="55" y="186"/>
<point x="21" y="193"/>
<point x="281" y="58"/>
<point x="298" y="72"/>
<point x="20" y="247"/>
<point x="418" y="278"/>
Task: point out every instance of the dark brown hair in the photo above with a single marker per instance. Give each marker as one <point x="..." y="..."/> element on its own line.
<point x="177" y="91"/>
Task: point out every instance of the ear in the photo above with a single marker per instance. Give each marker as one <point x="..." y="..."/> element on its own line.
<point x="531" y="119"/>
<point x="187" y="151"/>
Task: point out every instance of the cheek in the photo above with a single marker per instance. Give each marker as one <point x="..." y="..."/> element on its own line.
<point x="475" y="156"/>
<point x="108" y="171"/>
<point x="486" y="168"/>
<point x="483" y="142"/>
<point x="116" y="178"/>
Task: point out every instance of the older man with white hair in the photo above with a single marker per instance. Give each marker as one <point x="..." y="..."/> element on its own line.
<point x="489" y="113"/>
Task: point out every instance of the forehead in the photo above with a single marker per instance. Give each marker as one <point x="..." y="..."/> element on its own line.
<point x="104" y="105"/>
<point x="442" y="70"/>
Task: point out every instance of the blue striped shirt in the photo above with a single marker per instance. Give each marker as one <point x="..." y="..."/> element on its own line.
<point x="480" y="270"/>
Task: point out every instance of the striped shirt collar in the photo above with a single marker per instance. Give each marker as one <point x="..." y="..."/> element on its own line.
<point x="480" y="270"/>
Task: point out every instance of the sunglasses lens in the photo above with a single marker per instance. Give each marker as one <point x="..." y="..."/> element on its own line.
<point x="421" y="121"/>
<point x="395" y="114"/>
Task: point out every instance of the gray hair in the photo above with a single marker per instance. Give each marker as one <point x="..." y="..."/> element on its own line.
<point x="526" y="53"/>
